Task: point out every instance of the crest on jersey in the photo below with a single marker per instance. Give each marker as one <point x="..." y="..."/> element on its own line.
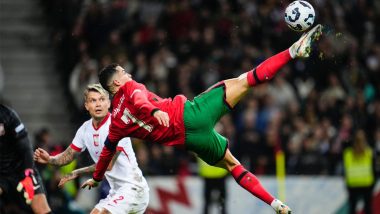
<point x="2" y="129"/>
<point x="96" y="139"/>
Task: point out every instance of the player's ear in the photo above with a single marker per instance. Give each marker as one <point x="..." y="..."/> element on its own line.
<point x="116" y="82"/>
<point x="86" y="105"/>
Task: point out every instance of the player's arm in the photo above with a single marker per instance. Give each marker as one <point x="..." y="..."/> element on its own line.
<point x="85" y="170"/>
<point x="20" y="138"/>
<point x="139" y="98"/>
<point x="22" y="144"/>
<point x="105" y="158"/>
<point x="64" y="158"/>
<point x="29" y="183"/>
<point x="76" y="173"/>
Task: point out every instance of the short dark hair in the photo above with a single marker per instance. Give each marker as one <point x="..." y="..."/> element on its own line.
<point x="105" y="75"/>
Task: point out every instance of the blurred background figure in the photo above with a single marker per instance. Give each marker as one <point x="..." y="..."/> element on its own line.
<point x="61" y="200"/>
<point x="359" y="172"/>
<point x="21" y="187"/>
<point x="214" y="192"/>
<point x="84" y="73"/>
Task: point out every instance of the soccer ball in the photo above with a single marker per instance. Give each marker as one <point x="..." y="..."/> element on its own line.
<point x="299" y="15"/>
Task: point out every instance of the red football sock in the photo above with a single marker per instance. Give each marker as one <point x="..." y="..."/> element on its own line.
<point x="267" y="69"/>
<point x="250" y="182"/>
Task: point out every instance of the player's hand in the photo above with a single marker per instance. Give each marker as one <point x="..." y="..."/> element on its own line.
<point x="41" y="156"/>
<point x="28" y="185"/>
<point x="162" y="117"/>
<point x="67" y="178"/>
<point x="90" y="183"/>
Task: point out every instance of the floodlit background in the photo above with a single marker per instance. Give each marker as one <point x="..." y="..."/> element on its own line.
<point x="51" y="49"/>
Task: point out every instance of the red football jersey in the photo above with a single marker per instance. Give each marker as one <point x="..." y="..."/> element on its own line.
<point x="132" y="116"/>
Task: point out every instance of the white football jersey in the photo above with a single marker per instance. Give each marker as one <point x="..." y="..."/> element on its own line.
<point x="125" y="170"/>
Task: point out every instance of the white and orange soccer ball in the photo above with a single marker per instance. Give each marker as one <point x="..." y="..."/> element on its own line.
<point x="299" y="15"/>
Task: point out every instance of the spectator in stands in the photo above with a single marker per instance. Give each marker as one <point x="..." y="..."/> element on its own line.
<point x="84" y="73"/>
<point x="359" y="172"/>
<point x="214" y="181"/>
<point x="42" y="139"/>
<point x="377" y="152"/>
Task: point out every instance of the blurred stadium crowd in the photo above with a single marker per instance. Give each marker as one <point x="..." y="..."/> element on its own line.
<point x="312" y="110"/>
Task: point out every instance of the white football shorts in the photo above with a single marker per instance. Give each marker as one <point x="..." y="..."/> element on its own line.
<point x="127" y="199"/>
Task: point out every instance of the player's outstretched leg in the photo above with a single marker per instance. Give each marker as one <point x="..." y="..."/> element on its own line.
<point x="300" y="49"/>
<point x="236" y="88"/>
<point x="251" y="183"/>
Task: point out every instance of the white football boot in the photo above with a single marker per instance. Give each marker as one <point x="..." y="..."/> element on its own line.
<point x="280" y="207"/>
<point x="302" y="48"/>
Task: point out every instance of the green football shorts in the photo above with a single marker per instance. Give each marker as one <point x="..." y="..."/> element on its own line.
<point x="200" y="117"/>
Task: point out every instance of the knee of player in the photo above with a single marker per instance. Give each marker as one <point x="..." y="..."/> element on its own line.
<point x="243" y="80"/>
<point x="229" y="162"/>
<point x="105" y="211"/>
<point x="231" y="165"/>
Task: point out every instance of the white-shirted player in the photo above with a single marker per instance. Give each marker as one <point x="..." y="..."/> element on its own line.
<point x="129" y="191"/>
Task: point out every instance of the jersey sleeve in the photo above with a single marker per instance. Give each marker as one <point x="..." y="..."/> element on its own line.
<point x="78" y="142"/>
<point x="138" y="96"/>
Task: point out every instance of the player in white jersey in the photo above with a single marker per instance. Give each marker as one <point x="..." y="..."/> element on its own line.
<point x="129" y="191"/>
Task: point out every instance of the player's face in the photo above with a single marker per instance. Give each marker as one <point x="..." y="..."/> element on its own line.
<point x="121" y="76"/>
<point x="97" y="105"/>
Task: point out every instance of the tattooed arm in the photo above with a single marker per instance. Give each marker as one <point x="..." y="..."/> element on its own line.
<point x="85" y="170"/>
<point x="64" y="158"/>
<point x="74" y="174"/>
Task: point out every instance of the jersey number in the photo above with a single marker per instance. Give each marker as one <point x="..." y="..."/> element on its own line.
<point x="118" y="199"/>
<point x="127" y="117"/>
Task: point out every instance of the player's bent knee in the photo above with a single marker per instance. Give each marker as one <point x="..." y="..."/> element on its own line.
<point x="228" y="162"/>
<point x="101" y="211"/>
<point x="236" y="89"/>
<point x="105" y="211"/>
<point x="95" y="211"/>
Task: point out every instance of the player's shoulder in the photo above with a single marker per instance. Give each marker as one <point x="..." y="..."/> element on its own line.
<point x="5" y="109"/>
<point x="130" y="85"/>
<point x="86" y="125"/>
<point x="7" y="113"/>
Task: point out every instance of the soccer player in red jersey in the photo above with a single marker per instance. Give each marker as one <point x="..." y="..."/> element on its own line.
<point x="142" y="114"/>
